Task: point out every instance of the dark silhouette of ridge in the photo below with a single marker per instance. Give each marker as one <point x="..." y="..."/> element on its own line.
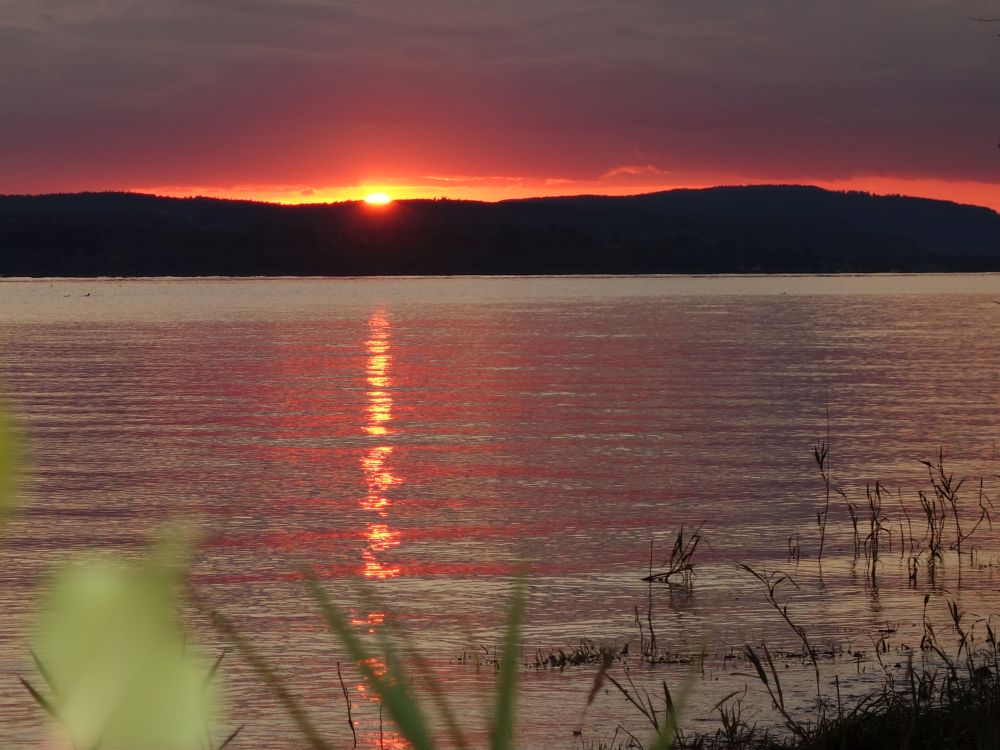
<point x="715" y="230"/>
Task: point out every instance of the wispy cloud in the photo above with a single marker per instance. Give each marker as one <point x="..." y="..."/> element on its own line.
<point x="634" y="170"/>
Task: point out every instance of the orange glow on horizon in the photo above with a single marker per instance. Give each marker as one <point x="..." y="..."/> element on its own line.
<point x="492" y="190"/>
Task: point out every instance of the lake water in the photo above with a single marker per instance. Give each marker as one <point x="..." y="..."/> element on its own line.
<point x="426" y="435"/>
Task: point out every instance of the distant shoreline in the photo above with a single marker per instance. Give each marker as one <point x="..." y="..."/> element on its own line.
<point x="739" y="230"/>
<point x="513" y="277"/>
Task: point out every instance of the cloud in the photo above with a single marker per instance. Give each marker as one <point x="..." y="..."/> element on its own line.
<point x="112" y="93"/>
<point x="633" y="171"/>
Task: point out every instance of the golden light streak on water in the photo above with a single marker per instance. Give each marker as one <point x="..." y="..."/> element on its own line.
<point x="375" y="467"/>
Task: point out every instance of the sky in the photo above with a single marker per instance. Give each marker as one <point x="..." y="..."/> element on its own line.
<point x="310" y="101"/>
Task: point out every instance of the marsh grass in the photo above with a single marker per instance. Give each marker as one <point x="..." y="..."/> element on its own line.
<point x="945" y="695"/>
<point x="585" y="652"/>
<point x="922" y="708"/>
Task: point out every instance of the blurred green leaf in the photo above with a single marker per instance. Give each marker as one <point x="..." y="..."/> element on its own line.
<point x="116" y="656"/>
<point x="8" y="466"/>
<point x="501" y="733"/>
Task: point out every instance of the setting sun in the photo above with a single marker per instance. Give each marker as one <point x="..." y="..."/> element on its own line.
<point x="378" y="199"/>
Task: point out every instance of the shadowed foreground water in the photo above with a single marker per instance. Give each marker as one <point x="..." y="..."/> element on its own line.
<point x="425" y="435"/>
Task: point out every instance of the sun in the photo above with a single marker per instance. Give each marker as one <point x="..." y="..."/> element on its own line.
<point x="378" y="199"/>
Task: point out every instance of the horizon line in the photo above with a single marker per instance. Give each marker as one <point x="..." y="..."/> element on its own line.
<point x="560" y="196"/>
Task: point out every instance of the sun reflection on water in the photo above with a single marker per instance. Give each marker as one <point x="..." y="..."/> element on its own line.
<point x="379" y="479"/>
<point x="375" y="466"/>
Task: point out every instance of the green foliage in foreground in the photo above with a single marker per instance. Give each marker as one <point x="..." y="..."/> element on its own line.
<point x="392" y="686"/>
<point x="8" y="467"/>
<point x="117" y="667"/>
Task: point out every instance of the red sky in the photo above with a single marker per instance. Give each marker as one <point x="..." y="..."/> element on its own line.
<point x="311" y="100"/>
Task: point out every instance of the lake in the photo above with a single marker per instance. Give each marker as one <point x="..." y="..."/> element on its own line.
<point x="425" y="435"/>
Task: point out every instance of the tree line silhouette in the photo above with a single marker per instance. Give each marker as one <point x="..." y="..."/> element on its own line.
<point x="717" y="230"/>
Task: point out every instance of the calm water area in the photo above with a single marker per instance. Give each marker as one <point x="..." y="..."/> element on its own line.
<point x="424" y="435"/>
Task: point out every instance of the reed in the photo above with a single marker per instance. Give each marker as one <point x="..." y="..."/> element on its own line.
<point x="873" y="529"/>
<point x="771" y="582"/>
<point x="878" y="529"/>
<point x="680" y="562"/>
<point x="821" y="453"/>
<point x="946" y="489"/>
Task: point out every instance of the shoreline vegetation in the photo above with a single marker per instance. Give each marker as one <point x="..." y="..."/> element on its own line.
<point x="750" y="229"/>
<point x="115" y="630"/>
<point x="942" y="693"/>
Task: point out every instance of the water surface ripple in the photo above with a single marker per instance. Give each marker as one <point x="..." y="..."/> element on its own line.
<point x="425" y="435"/>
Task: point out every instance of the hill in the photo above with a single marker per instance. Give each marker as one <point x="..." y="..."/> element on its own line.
<point x="714" y="230"/>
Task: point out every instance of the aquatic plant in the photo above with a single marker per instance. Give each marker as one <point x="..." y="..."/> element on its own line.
<point x="877" y="529"/>
<point x="680" y="562"/>
<point x="586" y="651"/>
<point x="771" y="582"/>
<point x="946" y="488"/>
<point x="821" y="453"/>
<point x="794" y="547"/>
<point x="938" y="506"/>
